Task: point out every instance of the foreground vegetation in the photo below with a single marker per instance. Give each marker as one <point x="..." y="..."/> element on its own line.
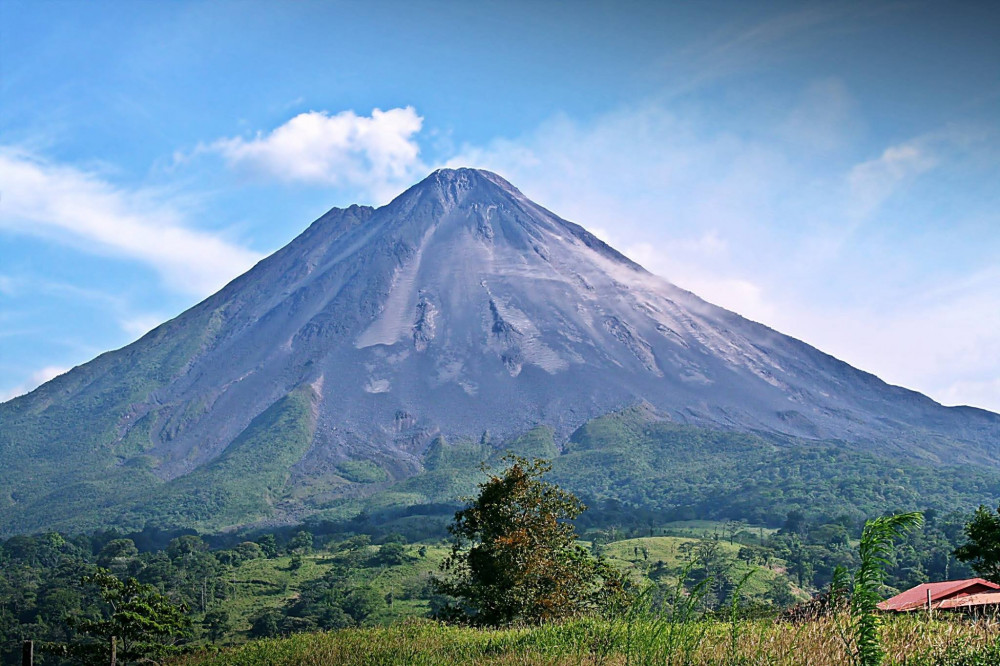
<point x="913" y="641"/>
<point x="516" y="575"/>
<point x="279" y="584"/>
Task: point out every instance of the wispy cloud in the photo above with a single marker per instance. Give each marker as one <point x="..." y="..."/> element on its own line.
<point x="66" y="204"/>
<point x="873" y="182"/>
<point x="36" y="379"/>
<point x="376" y="154"/>
<point x="741" y="223"/>
<point x="138" y="325"/>
<point x="749" y="44"/>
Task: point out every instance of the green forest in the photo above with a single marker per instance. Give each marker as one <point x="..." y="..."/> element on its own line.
<point x="328" y="575"/>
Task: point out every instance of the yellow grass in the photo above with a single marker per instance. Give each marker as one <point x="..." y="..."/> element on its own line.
<point x="912" y="641"/>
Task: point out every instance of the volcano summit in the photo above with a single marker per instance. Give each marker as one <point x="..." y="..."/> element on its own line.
<point x="459" y="312"/>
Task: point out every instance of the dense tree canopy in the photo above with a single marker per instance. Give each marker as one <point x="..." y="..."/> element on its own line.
<point x="982" y="551"/>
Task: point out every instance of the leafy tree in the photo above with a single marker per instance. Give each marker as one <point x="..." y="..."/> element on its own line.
<point x="186" y="546"/>
<point x="266" y="625"/>
<point x="248" y="550"/>
<point x="362" y="602"/>
<point x="217" y="624"/>
<point x="357" y="543"/>
<point x="145" y="623"/>
<point x="392" y="553"/>
<point x="394" y="537"/>
<point x="269" y="545"/>
<point x="513" y="557"/>
<point x="302" y="542"/>
<point x="982" y="549"/>
<point x="117" y="553"/>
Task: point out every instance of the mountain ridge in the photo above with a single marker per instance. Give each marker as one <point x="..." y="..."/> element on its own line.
<point x="458" y="308"/>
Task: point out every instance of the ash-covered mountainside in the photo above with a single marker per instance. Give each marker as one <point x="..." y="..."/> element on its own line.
<point x="459" y="308"/>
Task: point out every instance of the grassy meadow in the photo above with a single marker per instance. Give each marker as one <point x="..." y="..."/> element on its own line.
<point x="265" y="584"/>
<point x="913" y="641"/>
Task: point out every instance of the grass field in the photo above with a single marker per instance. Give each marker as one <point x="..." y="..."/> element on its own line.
<point x="912" y="641"/>
<point x="259" y="585"/>
<point x="263" y="584"/>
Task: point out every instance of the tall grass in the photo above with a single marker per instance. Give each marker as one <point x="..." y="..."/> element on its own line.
<point x="909" y="641"/>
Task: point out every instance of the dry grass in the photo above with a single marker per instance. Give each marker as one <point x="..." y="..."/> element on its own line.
<point x="910" y="641"/>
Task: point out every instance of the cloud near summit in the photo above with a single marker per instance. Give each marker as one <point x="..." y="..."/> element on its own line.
<point x="377" y="154"/>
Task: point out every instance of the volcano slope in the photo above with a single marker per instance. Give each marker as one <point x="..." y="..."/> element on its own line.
<point x="385" y="345"/>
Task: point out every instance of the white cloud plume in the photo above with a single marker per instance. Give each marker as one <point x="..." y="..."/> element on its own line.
<point x="377" y="154"/>
<point x="69" y="205"/>
<point x="743" y="224"/>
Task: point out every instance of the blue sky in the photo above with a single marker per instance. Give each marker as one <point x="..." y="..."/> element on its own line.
<point x="829" y="169"/>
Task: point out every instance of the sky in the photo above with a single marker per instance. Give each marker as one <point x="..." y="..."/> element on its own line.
<point x="829" y="169"/>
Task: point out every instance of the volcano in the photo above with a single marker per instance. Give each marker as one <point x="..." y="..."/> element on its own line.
<point x="460" y="311"/>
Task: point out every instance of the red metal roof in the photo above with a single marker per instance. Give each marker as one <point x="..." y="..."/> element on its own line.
<point x="965" y="600"/>
<point x="916" y="597"/>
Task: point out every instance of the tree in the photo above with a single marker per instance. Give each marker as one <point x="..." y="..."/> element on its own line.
<point x="145" y="624"/>
<point x="217" y="624"/>
<point x="269" y="545"/>
<point x="266" y="625"/>
<point x="117" y="553"/>
<point x="186" y="546"/>
<point x="362" y="602"/>
<point x="982" y="548"/>
<point x="248" y="550"/>
<point x="392" y="554"/>
<point x="302" y="543"/>
<point x="513" y="556"/>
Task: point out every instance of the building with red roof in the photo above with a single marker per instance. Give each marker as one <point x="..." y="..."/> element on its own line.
<point x="948" y="595"/>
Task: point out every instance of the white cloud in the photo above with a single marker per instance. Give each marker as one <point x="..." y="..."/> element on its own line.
<point x="872" y="183"/>
<point x="738" y="47"/>
<point x="69" y="205"/>
<point x="985" y="393"/>
<point x="758" y="228"/>
<point x="141" y="324"/>
<point x="377" y="154"/>
<point x="36" y="379"/>
<point x="942" y="342"/>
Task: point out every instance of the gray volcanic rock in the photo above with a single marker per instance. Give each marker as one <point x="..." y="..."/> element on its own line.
<point x="463" y="307"/>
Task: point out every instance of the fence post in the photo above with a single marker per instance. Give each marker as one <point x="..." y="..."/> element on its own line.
<point x="28" y="653"/>
<point x="114" y="651"/>
<point x="930" y="610"/>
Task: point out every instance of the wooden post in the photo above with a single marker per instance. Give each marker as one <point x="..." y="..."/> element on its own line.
<point x="28" y="653"/>
<point x="114" y="650"/>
